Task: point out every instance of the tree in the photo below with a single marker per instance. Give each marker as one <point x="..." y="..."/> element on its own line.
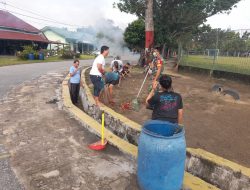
<point x="227" y="41"/>
<point x="134" y="35"/>
<point x="149" y="24"/>
<point x="174" y="20"/>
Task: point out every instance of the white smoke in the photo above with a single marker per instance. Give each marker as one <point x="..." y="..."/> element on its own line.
<point x="104" y="32"/>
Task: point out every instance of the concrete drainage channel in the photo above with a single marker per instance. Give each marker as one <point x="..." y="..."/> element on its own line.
<point x="203" y="169"/>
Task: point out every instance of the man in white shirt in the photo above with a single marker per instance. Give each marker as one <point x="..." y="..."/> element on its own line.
<point x="97" y="72"/>
<point x="120" y="63"/>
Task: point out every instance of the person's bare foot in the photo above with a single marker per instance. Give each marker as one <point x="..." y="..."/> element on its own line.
<point x="100" y="104"/>
<point x="112" y="102"/>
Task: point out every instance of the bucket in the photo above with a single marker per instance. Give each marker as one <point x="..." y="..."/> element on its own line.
<point x="31" y="56"/>
<point x="41" y="56"/>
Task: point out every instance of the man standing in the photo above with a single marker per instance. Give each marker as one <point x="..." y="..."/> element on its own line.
<point x="75" y="79"/>
<point x="158" y="63"/>
<point x="97" y="72"/>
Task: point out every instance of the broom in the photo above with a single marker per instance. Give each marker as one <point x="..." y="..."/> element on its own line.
<point x="135" y="102"/>
<point x="100" y="145"/>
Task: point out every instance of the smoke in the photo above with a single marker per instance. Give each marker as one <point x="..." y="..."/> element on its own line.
<point x="104" y="32"/>
<point x="109" y="34"/>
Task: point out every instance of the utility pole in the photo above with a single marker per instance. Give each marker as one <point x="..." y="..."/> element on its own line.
<point x="149" y="25"/>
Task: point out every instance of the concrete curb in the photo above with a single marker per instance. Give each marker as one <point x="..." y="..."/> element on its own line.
<point x="198" y="160"/>
<point x="214" y="169"/>
<point x="91" y="124"/>
<point x="190" y="182"/>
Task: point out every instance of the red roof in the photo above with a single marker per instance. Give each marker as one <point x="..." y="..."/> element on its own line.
<point x="11" y="35"/>
<point x="16" y="29"/>
<point x="9" y="20"/>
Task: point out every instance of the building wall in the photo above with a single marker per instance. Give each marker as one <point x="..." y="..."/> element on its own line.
<point x="52" y="36"/>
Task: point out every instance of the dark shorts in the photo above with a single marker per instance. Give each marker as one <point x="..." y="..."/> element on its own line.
<point x="98" y="84"/>
<point x="113" y="82"/>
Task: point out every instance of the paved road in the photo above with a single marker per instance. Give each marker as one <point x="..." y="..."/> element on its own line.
<point x="49" y="149"/>
<point x="12" y="76"/>
<point x="17" y="74"/>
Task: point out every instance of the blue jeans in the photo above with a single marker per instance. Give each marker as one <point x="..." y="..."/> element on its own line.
<point x="98" y="84"/>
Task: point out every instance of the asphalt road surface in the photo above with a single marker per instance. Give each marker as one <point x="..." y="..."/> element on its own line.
<point x="12" y="76"/>
<point x="17" y="74"/>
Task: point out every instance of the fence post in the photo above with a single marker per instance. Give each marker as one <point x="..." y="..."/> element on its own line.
<point x="212" y="69"/>
<point x="216" y="52"/>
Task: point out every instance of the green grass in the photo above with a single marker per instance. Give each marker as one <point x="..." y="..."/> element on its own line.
<point x="86" y="57"/>
<point x="13" y="60"/>
<point x="230" y="64"/>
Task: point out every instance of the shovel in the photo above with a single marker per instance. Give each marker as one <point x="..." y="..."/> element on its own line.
<point x="100" y="145"/>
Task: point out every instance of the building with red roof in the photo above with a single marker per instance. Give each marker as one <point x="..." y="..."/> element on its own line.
<point x="15" y="33"/>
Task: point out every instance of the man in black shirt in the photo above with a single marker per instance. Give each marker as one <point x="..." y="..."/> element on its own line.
<point x="167" y="105"/>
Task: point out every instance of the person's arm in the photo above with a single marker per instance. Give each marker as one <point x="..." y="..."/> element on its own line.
<point x="180" y="116"/>
<point x="120" y="67"/>
<point x="159" y="67"/>
<point x="73" y="72"/>
<point x="180" y="111"/>
<point x="111" y="65"/>
<point x="151" y="94"/>
<point x="100" y="69"/>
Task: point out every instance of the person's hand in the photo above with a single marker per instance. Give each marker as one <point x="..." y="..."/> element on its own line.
<point x="76" y="69"/>
<point x="103" y="77"/>
<point x="154" y="85"/>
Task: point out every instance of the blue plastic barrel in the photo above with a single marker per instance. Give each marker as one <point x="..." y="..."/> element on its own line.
<point x="31" y="56"/>
<point x="161" y="156"/>
<point x="41" y="56"/>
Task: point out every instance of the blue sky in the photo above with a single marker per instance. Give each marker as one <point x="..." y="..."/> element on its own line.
<point x="87" y="12"/>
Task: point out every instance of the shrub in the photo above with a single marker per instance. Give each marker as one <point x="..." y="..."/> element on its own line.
<point x="66" y="53"/>
<point x="24" y="55"/>
<point x="36" y="55"/>
<point x="77" y="55"/>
